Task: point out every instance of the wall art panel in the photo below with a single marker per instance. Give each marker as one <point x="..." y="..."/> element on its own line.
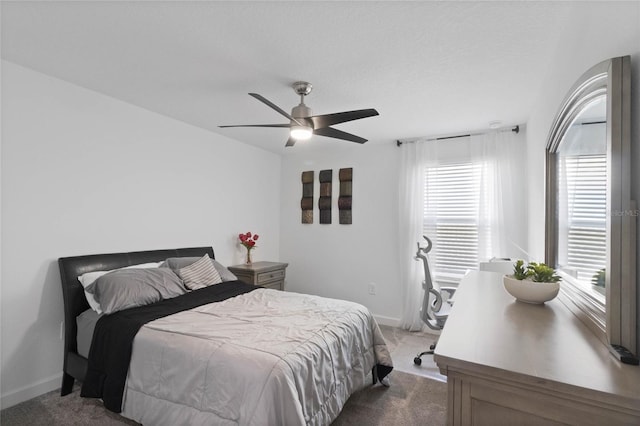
<point x="306" y="204"/>
<point x="324" y="202"/>
<point x="345" y="198"/>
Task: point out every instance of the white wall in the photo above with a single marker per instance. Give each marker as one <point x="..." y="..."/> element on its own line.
<point x="85" y="173"/>
<point x="341" y="260"/>
<point x="601" y="31"/>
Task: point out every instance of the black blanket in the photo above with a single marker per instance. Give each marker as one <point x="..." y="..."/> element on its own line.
<point x="113" y="336"/>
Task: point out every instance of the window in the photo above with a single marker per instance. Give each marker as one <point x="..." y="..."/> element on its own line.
<point x="455" y="218"/>
<point x="583" y="210"/>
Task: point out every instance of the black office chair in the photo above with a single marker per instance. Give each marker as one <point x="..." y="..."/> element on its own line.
<point x="435" y="309"/>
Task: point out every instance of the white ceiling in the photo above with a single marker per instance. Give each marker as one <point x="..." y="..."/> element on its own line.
<point x="429" y="68"/>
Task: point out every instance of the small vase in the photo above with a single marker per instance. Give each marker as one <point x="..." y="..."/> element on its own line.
<point x="248" y="261"/>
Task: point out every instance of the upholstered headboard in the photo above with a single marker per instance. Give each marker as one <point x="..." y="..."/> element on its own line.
<point x="75" y="302"/>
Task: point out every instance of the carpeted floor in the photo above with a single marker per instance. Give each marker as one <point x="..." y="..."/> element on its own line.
<point x="410" y="400"/>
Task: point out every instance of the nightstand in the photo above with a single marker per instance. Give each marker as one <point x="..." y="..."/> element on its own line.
<point x="265" y="274"/>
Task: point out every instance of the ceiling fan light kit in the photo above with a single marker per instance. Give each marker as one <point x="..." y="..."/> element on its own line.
<point x="302" y="124"/>
<point x="304" y="130"/>
<point x="300" y="133"/>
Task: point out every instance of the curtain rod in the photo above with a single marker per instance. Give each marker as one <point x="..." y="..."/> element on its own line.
<point x="515" y="129"/>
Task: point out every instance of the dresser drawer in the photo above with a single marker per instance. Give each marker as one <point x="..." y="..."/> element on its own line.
<point x="265" y="277"/>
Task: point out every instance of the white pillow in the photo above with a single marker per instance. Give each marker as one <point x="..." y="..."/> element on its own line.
<point x="87" y="279"/>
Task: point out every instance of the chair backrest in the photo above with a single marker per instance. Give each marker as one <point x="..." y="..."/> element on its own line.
<point x="432" y="301"/>
<point x="422" y="254"/>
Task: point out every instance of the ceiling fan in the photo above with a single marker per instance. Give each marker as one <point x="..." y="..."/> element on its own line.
<point x="303" y="125"/>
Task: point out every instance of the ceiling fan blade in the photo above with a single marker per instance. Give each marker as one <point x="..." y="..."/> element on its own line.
<point x="290" y="142"/>
<point x="338" y="134"/>
<point x="326" y="120"/>
<point x="274" y="106"/>
<point x="256" y="125"/>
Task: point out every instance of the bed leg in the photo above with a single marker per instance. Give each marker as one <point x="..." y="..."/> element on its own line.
<point x="67" y="384"/>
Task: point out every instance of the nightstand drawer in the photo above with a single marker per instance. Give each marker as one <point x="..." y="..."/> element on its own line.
<point x="265" y="277"/>
<point x="265" y="274"/>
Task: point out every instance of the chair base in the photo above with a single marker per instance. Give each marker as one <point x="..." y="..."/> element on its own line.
<point x="418" y="359"/>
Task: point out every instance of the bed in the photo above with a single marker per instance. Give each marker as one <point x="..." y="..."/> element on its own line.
<point x="230" y="353"/>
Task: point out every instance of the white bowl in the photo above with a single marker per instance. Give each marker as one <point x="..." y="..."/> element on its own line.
<point x="529" y="291"/>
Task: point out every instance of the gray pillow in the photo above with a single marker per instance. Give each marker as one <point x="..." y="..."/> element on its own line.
<point x="128" y="288"/>
<point x="177" y="263"/>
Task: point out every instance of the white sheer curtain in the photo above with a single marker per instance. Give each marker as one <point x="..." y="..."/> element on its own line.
<point x="411" y="206"/>
<point x="501" y="216"/>
<point x="504" y="153"/>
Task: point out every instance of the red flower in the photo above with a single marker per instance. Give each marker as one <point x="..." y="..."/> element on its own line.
<point x="248" y="240"/>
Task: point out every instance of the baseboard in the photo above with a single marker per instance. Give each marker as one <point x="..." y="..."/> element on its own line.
<point x="391" y="322"/>
<point x="395" y="322"/>
<point x="28" y="392"/>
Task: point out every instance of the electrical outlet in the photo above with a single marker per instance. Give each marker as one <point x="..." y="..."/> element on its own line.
<point x="372" y="289"/>
<point x="62" y="330"/>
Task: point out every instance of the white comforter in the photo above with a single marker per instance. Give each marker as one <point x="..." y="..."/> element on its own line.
<point x="262" y="358"/>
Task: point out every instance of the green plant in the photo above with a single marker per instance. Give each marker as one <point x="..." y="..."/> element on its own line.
<point x="538" y="272"/>
<point x="541" y="273"/>
<point x="519" y="271"/>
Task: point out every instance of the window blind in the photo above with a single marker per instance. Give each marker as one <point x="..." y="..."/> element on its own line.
<point x="451" y="218"/>
<point x="586" y="203"/>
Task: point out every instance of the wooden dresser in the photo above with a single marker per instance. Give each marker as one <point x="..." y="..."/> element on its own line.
<point x="265" y="274"/>
<point x="512" y="363"/>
